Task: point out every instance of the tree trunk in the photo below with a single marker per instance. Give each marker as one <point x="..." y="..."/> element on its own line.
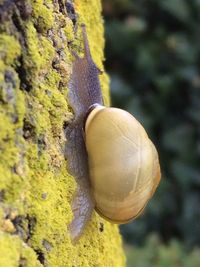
<point x="36" y="37"/>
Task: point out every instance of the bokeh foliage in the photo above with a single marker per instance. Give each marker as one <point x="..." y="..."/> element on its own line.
<point x="153" y="58"/>
<point x="155" y="254"/>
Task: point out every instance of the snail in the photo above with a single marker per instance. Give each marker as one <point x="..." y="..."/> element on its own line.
<point x="115" y="164"/>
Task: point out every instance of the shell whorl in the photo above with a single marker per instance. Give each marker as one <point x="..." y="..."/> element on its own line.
<point x="123" y="163"/>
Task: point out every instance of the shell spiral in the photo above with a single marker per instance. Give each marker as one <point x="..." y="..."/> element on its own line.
<point x="123" y="164"/>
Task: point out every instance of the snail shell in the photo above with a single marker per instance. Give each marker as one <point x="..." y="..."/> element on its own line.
<point x="123" y="164"/>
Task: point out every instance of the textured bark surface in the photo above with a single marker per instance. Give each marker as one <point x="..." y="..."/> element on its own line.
<point x="36" y="37"/>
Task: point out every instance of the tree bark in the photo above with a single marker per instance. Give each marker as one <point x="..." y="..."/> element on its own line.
<point x="36" y="40"/>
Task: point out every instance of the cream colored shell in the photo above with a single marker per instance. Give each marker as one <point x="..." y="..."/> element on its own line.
<point x="123" y="164"/>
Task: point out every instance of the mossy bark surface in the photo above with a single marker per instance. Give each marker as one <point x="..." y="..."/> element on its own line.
<point x="36" y="191"/>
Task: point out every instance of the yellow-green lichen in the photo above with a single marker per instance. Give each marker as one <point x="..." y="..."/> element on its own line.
<point x="12" y="110"/>
<point x="68" y="30"/>
<point x="40" y="53"/>
<point x="36" y="190"/>
<point x="16" y="253"/>
<point x="9" y="49"/>
<point x="43" y="15"/>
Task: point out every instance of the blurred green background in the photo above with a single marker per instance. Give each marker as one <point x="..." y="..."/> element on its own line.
<point x="153" y="59"/>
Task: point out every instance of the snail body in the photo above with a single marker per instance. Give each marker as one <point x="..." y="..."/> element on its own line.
<point x="114" y="162"/>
